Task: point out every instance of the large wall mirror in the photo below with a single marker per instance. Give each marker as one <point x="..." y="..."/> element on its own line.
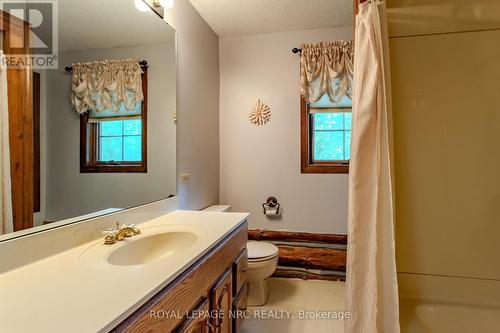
<point x="94" y="132"/>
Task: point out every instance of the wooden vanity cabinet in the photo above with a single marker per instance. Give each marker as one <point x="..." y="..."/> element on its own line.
<point x="239" y="308"/>
<point x="203" y="299"/>
<point x="197" y="324"/>
<point x="240" y="289"/>
<point x="240" y="268"/>
<point x="221" y="303"/>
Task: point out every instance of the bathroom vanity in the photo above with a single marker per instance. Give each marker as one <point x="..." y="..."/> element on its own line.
<point x="209" y="296"/>
<point x="184" y="272"/>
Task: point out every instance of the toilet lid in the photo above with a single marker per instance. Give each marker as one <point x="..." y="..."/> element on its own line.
<point x="259" y="250"/>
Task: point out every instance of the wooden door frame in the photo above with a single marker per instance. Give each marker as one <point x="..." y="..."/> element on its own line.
<point x="20" y="92"/>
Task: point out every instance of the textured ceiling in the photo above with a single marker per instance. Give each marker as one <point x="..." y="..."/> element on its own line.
<point x="94" y="24"/>
<point x="241" y="17"/>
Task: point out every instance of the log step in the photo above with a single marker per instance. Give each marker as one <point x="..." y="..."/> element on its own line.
<point x="313" y="258"/>
<point x="305" y="275"/>
<point x="306" y="255"/>
<point x="259" y="234"/>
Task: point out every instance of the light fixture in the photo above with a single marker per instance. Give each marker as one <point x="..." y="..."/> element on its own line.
<point x="167" y="3"/>
<point x="141" y="5"/>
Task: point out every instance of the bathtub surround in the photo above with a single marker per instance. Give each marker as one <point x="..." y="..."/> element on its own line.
<point x="259" y="161"/>
<point x="305" y="255"/>
<point x="371" y="284"/>
<point x="447" y="211"/>
<point x="6" y="221"/>
<point x="448" y="304"/>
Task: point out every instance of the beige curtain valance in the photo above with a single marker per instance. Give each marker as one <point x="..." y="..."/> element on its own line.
<point x="327" y="68"/>
<point x="110" y="86"/>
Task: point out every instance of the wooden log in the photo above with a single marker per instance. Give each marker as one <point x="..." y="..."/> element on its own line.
<point x="304" y="275"/>
<point x="259" y="234"/>
<point x="312" y="258"/>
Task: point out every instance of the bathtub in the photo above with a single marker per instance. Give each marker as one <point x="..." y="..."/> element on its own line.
<point x="438" y="304"/>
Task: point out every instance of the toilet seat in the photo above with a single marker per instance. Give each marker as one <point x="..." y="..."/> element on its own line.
<point x="261" y="251"/>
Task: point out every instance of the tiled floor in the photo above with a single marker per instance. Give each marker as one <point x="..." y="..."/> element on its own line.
<point x="289" y="298"/>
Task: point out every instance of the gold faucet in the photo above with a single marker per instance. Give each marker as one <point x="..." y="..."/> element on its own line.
<point x="127" y="230"/>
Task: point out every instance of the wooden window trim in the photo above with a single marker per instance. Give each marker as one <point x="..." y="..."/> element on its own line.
<point x="306" y="149"/>
<point x="88" y="144"/>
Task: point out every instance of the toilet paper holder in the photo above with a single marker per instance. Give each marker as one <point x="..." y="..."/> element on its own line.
<point x="271" y="204"/>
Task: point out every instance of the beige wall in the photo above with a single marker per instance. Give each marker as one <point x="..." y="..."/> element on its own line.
<point x="198" y="106"/>
<point x="446" y="101"/>
<point x="257" y="162"/>
<point x="70" y="193"/>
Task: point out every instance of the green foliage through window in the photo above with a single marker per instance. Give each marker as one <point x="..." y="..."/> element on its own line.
<point x="332" y="136"/>
<point x="120" y="140"/>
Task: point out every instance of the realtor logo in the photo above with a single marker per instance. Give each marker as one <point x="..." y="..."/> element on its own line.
<point x="35" y="45"/>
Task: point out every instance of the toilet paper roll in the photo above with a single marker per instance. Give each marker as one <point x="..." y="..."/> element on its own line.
<point x="272" y="212"/>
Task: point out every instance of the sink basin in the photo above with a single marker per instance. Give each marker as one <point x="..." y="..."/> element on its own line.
<point x="149" y="248"/>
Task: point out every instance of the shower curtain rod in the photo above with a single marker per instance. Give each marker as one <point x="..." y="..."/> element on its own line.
<point x="296" y="50"/>
<point x="143" y="63"/>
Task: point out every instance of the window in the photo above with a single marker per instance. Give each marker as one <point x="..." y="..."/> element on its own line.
<point x="119" y="141"/>
<point x="115" y="145"/>
<point x="326" y="135"/>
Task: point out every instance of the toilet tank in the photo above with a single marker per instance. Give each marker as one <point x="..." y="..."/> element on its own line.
<point x="218" y="208"/>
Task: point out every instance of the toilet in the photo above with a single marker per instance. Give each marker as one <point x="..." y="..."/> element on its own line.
<point x="262" y="262"/>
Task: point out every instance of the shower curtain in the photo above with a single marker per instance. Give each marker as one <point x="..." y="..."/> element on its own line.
<point x="371" y="284"/>
<point x="6" y="222"/>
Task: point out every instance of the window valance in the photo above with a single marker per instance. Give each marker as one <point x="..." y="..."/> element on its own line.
<point x="327" y="68"/>
<point x="110" y="88"/>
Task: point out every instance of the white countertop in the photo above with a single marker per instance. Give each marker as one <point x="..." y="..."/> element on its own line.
<point x="72" y="292"/>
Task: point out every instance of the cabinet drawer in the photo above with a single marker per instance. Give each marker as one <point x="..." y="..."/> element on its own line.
<point x="197" y="322"/>
<point x="239" y="307"/>
<point x="240" y="267"/>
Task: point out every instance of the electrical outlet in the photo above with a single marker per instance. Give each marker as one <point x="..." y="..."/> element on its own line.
<point x="185" y="178"/>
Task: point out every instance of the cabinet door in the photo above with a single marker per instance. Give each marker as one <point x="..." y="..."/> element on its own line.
<point x="239" y="308"/>
<point x="198" y="320"/>
<point x="240" y="268"/>
<point x="221" y="303"/>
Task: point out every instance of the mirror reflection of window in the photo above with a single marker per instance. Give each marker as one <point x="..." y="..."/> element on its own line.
<point x="120" y="141"/>
<point x="79" y="162"/>
<point x="114" y="137"/>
